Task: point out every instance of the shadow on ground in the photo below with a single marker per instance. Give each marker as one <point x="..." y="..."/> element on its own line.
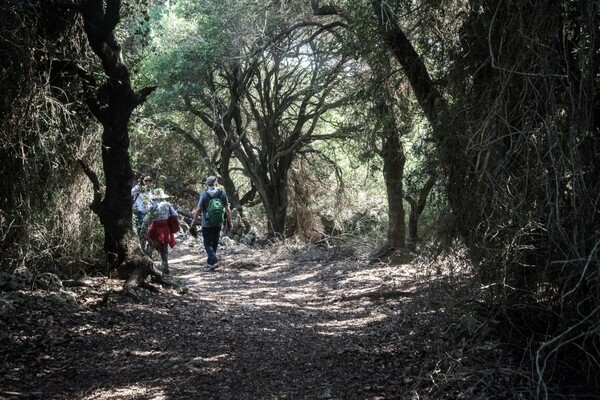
<point x="268" y="324"/>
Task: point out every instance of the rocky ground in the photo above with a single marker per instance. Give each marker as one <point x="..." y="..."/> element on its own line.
<point x="270" y="323"/>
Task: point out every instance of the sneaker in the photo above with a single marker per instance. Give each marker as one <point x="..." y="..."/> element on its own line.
<point x="164" y="268"/>
<point x="212" y="267"/>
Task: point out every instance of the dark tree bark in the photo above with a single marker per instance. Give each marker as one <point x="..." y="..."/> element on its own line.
<point x="393" y="172"/>
<point x="112" y="106"/>
<point x="394" y="160"/>
<point x="416" y="72"/>
<point x="416" y="209"/>
<point x="456" y="170"/>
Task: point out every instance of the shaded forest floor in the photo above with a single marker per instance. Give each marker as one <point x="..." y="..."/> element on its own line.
<point x="273" y="323"/>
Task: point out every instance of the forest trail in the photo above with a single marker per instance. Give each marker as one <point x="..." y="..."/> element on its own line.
<point x="267" y="324"/>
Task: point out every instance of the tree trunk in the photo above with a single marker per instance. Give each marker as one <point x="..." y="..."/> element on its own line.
<point x="393" y="157"/>
<point x="416" y="209"/>
<point x="225" y="177"/>
<point x="455" y="168"/>
<point x="115" y="208"/>
<point x="393" y="172"/>
<point x="274" y="196"/>
<point x="112" y="106"/>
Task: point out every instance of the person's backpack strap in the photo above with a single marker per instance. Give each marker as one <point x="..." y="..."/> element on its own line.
<point x="219" y="195"/>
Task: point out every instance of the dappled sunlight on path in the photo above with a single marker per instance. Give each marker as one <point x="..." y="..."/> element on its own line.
<point x="268" y="323"/>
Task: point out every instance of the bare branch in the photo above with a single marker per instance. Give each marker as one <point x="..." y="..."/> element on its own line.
<point x="95" y="205"/>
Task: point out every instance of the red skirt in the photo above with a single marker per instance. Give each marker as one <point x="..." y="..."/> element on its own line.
<point x="159" y="233"/>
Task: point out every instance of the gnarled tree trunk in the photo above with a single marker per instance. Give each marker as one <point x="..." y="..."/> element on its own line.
<point x="112" y="106"/>
<point x="416" y="209"/>
<point x="455" y="168"/>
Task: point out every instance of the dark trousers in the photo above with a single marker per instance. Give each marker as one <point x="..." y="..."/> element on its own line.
<point x="210" y="236"/>
<point x="164" y="254"/>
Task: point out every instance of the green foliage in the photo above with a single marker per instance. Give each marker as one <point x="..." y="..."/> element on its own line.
<point x="188" y="38"/>
<point x="349" y="193"/>
<point x="159" y="151"/>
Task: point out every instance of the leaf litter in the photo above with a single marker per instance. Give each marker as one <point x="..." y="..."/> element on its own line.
<point x="269" y="323"/>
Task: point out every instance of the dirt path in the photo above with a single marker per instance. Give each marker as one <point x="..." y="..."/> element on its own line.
<point x="268" y="324"/>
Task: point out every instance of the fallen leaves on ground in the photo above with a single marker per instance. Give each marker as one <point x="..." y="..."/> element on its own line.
<point x="267" y="324"/>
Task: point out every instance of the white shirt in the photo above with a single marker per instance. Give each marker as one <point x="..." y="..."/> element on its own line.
<point x="141" y="198"/>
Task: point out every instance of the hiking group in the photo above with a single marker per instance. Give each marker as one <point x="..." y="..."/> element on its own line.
<point x="156" y="221"/>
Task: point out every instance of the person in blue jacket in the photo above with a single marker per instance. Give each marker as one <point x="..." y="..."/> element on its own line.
<point x="208" y="210"/>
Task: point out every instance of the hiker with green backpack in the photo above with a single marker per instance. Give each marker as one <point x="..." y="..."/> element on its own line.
<point x="213" y="206"/>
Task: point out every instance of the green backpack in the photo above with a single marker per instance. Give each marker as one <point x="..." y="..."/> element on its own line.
<point x="215" y="212"/>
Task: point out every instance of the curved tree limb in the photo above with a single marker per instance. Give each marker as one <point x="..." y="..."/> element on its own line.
<point x="100" y="18"/>
<point x="95" y="205"/>
<point x="144" y="93"/>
